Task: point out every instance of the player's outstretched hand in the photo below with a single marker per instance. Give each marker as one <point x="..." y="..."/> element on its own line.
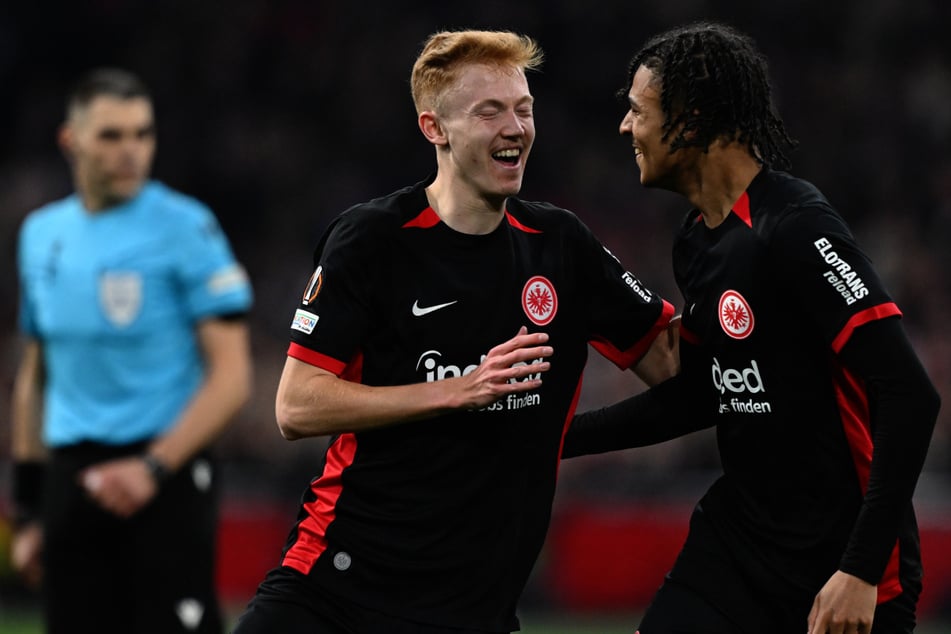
<point x="845" y="605"/>
<point x="510" y="368"/>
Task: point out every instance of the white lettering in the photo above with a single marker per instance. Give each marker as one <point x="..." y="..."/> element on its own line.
<point x="636" y="286"/>
<point x="428" y="362"/>
<point x="746" y="381"/>
<point x="737" y="381"/>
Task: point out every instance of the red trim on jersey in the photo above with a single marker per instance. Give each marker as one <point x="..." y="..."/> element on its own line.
<point x="860" y="319"/>
<point x="515" y="223"/>
<point x="742" y="209"/>
<point x="568" y="418"/>
<point x="688" y="335"/>
<point x="426" y="219"/>
<point x="354" y="370"/>
<point x="629" y="357"/>
<point x="311" y="540"/>
<point x="314" y="358"/>
<point x="853" y="410"/>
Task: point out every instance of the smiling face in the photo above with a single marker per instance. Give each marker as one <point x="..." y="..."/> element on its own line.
<point x="110" y="144"/>
<point x="484" y="130"/>
<point x="644" y="124"/>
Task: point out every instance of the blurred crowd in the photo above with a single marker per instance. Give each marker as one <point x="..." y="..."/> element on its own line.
<point x="280" y="115"/>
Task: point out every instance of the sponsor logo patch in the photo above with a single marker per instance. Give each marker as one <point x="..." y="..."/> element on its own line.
<point x="842" y="277"/>
<point x="539" y="300"/>
<point x="742" y="391"/>
<point x="419" y="311"/>
<point x="736" y="317"/>
<point x="304" y="321"/>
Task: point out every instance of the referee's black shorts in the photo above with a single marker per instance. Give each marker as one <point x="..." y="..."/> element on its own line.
<point x="152" y="573"/>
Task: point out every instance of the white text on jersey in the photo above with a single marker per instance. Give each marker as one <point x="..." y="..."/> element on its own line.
<point x="842" y="277"/>
<point x="739" y="382"/>
<point x="636" y="286"/>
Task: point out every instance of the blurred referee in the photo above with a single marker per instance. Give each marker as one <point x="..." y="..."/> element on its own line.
<point x="136" y="357"/>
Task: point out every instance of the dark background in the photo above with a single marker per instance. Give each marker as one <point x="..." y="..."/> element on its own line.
<point x="280" y="115"/>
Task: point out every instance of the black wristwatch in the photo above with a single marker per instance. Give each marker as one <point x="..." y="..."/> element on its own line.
<point x="160" y="473"/>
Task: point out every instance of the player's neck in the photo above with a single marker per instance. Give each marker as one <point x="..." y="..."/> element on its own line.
<point x="722" y="175"/>
<point x="462" y="210"/>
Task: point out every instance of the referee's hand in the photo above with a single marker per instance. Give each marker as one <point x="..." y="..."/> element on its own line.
<point x="122" y="487"/>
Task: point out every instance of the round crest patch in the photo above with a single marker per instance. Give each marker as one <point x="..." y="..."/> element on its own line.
<point x="342" y="561"/>
<point x="539" y="300"/>
<point x="736" y="318"/>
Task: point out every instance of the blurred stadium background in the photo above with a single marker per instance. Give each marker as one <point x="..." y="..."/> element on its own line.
<point x="282" y="114"/>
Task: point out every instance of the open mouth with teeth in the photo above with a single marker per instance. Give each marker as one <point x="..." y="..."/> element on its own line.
<point x="509" y="157"/>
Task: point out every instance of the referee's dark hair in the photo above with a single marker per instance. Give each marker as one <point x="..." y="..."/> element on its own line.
<point x="112" y="82"/>
<point x="714" y="85"/>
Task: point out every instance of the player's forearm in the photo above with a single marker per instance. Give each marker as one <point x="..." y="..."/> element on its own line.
<point x="207" y="415"/>
<point x="27" y="406"/>
<point x="657" y="415"/>
<point x="313" y="402"/>
<point x="224" y="391"/>
<point x="330" y="405"/>
<point x="904" y="405"/>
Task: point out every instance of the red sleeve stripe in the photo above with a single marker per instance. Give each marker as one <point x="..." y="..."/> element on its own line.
<point x="629" y="357"/>
<point x="311" y="539"/>
<point x="853" y="410"/>
<point x="861" y="318"/>
<point x="426" y="219"/>
<point x="322" y="361"/>
<point x="742" y="209"/>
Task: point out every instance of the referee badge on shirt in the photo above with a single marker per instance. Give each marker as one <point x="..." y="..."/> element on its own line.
<point x="120" y="295"/>
<point x="539" y="300"/>
<point x="736" y="316"/>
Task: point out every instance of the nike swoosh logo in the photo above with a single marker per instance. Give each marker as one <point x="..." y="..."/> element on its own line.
<point x="419" y="312"/>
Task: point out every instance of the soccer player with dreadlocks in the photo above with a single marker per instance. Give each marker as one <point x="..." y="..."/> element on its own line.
<point x="792" y="348"/>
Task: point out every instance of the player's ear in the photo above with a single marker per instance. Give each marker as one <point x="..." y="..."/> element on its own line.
<point x="66" y="139"/>
<point x="432" y="128"/>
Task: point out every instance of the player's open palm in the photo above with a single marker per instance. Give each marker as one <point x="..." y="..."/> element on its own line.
<point x="509" y="368"/>
<point x="845" y="605"/>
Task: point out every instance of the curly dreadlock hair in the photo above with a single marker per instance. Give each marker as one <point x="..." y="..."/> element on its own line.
<point x="714" y="84"/>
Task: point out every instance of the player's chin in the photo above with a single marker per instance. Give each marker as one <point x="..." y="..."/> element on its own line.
<point x="125" y="188"/>
<point x="510" y="184"/>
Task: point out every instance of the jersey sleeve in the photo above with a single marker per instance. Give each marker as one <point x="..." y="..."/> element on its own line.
<point x="25" y="267"/>
<point x="624" y="316"/>
<point x="335" y="308"/>
<point x="214" y="283"/>
<point x="827" y="276"/>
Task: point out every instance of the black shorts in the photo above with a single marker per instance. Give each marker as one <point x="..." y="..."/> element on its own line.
<point x="287" y="603"/>
<point x="677" y="609"/>
<point x="152" y="573"/>
<point x="711" y="579"/>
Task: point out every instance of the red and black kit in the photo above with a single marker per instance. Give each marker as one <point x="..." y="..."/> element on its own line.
<point x="438" y="522"/>
<point x="792" y="348"/>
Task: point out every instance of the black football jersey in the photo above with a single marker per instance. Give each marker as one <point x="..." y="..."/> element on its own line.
<point x="440" y="521"/>
<point x="771" y="295"/>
